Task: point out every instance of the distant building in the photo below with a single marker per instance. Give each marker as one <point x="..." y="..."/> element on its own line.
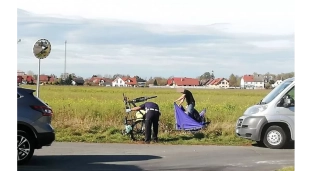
<point x="46" y="79"/>
<point x="217" y="83"/>
<point x="252" y="82"/>
<point x="101" y="81"/>
<point x="182" y="81"/>
<point x="21" y="73"/>
<point x="125" y="82"/>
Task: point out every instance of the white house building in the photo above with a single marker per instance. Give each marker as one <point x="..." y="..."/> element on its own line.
<point x="125" y="82"/>
<point x="218" y="83"/>
<point x="252" y="82"/>
<point x="118" y="82"/>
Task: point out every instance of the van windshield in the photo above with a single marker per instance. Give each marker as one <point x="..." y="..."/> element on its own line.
<point x="275" y="92"/>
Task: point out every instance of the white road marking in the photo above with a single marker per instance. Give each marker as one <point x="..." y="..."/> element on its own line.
<point x="273" y="162"/>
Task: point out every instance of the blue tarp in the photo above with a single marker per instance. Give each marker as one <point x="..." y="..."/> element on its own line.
<point x="185" y="122"/>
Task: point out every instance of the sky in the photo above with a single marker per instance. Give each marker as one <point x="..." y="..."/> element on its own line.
<point x="182" y="38"/>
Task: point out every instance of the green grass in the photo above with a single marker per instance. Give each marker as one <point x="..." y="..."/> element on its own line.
<point x="290" y="168"/>
<point x="95" y="114"/>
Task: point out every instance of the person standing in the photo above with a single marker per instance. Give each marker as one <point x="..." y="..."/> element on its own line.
<point x="188" y="96"/>
<point x="151" y="119"/>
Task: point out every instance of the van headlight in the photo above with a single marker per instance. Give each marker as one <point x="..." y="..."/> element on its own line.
<point x="256" y="109"/>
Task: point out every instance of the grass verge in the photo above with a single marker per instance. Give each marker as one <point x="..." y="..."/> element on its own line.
<point x="95" y="114"/>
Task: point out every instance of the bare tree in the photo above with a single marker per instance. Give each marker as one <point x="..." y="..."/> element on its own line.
<point x="232" y="80"/>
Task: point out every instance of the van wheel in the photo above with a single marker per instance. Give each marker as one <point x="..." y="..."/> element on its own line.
<point x="25" y="147"/>
<point x="275" y="137"/>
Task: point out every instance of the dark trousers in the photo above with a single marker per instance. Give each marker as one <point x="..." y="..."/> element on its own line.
<point x="151" y="118"/>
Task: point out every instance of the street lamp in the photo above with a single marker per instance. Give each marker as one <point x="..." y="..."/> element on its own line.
<point x="18" y="41"/>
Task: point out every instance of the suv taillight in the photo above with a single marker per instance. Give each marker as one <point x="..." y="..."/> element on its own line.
<point x="43" y="109"/>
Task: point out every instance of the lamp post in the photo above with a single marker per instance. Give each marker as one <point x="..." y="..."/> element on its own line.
<point x="18" y="41"/>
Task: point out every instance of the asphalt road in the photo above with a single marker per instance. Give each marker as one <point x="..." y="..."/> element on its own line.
<point x="136" y="157"/>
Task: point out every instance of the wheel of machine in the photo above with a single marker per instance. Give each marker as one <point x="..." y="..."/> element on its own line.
<point x="275" y="137"/>
<point x="138" y="131"/>
<point x="25" y="147"/>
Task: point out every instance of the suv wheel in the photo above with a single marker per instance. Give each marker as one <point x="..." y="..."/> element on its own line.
<point x="25" y="147"/>
<point x="275" y="137"/>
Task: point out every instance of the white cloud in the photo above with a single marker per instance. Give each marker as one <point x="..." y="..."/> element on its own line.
<point x="275" y="44"/>
<point x="109" y="47"/>
<point x="246" y="16"/>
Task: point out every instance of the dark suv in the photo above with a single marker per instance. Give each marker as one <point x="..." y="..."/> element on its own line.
<point x="34" y="128"/>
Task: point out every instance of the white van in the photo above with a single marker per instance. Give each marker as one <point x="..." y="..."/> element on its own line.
<point x="272" y="121"/>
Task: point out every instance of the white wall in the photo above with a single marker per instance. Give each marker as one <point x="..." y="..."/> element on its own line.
<point x="118" y="82"/>
<point x="253" y="85"/>
<point x="242" y="83"/>
<point x="222" y="84"/>
<point x="258" y="85"/>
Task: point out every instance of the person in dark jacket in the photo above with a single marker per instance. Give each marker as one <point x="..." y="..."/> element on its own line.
<point x="188" y="96"/>
<point x="151" y="118"/>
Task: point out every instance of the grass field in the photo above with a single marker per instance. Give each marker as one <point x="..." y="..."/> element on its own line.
<point x="95" y="114"/>
<point x="290" y="168"/>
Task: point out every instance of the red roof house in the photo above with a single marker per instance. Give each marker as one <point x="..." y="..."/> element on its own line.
<point x="252" y="81"/>
<point x="130" y="81"/>
<point x="46" y="79"/>
<point x="248" y="78"/>
<point x="183" y="81"/>
<point x="95" y="80"/>
<point x="19" y="79"/>
<point x="28" y="78"/>
<point x="218" y="83"/>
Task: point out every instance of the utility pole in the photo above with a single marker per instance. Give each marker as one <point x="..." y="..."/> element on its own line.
<point x="64" y="75"/>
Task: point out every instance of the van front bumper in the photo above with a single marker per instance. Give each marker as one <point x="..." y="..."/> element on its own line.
<point x="250" y="127"/>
